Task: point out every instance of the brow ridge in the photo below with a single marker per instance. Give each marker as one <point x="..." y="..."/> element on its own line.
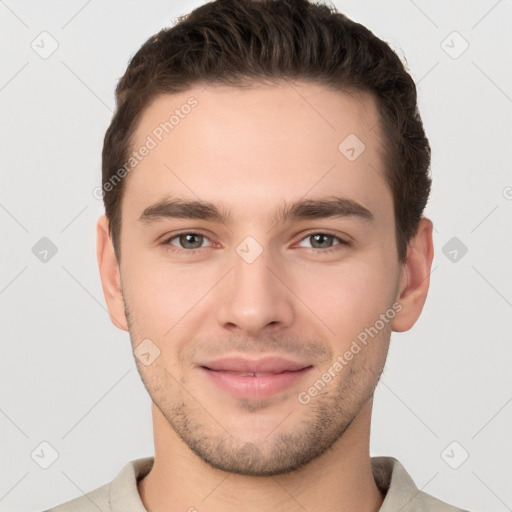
<point x="302" y="209"/>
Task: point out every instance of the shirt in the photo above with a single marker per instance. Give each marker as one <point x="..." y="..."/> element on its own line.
<point x="122" y="495"/>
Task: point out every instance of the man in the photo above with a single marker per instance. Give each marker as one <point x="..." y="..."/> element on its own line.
<point x="264" y="179"/>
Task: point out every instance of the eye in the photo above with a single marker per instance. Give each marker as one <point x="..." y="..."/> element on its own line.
<point x="323" y="242"/>
<point x="189" y="242"/>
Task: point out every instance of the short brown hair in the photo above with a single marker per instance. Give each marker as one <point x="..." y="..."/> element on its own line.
<point x="239" y="42"/>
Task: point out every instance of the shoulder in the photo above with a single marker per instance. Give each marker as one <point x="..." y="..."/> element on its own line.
<point x="401" y="492"/>
<point x="98" y="499"/>
<point x="119" y="495"/>
<point x="424" y="502"/>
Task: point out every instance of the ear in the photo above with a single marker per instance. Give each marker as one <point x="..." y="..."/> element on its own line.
<point x="110" y="275"/>
<point x="415" y="277"/>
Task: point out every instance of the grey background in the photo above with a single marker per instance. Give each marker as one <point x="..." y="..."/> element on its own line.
<point x="68" y="377"/>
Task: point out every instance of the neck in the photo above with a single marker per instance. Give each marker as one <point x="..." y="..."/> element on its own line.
<point x="340" y="479"/>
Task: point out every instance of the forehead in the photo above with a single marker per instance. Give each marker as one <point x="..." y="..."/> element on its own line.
<point x="254" y="147"/>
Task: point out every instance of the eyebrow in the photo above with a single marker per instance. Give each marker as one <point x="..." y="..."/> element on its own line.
<point x="303" y="209"/>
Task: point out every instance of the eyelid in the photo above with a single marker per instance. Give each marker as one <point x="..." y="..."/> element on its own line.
<point x="342" y="244"/>
<point x="342" y="239"/>
<point x="167" y="238"/>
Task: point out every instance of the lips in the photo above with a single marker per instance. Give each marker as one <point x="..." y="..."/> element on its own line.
<point x="254" y="367"/>
<point x="254" y="379"/>
<point x="247" y="374"/>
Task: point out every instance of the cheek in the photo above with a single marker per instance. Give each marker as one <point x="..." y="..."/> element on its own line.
<point x="160" y="294"/>
<point x="347" y="298"/>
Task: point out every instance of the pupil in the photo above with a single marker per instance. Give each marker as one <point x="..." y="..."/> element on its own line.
<point x="187" y="240"/>
<point x="320" y="236"/>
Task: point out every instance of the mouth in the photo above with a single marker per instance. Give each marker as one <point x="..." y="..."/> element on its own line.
<point x="254" y="379"/>
<point x="266" y="365"/>
<point x="248" y="374"/>
<point x="251" y="374"/>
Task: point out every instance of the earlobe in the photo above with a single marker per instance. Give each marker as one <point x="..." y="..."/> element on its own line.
<point x="110" y="275"/>
<point x="415" y="278"/>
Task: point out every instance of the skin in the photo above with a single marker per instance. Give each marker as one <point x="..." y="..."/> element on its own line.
<point x="250" y="150"/>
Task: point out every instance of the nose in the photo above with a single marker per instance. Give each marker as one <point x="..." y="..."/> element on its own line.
<point x="254" y="297"/>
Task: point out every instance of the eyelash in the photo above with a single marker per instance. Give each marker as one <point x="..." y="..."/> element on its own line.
<point x="342" y="242"/>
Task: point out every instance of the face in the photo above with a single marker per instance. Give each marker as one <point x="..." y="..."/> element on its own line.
<point x="264" y="334"/>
